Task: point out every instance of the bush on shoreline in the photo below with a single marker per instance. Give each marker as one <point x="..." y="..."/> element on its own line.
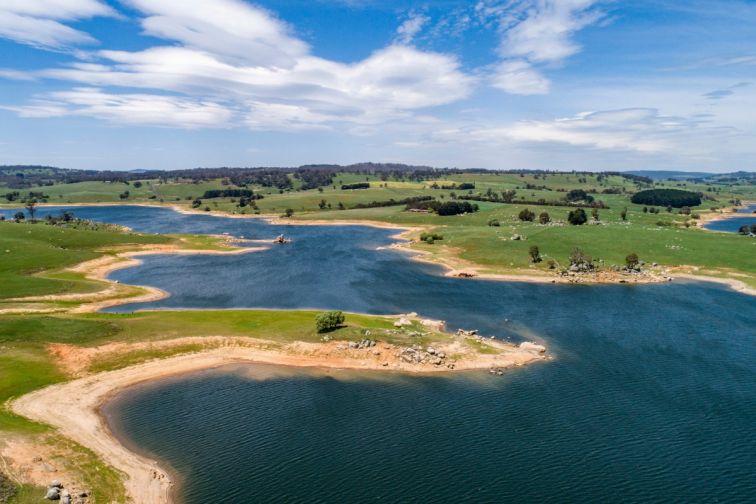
<point x="328" y="321"/>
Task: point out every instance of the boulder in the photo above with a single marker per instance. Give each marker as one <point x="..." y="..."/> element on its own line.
<point x="53" y="493"/>
<point x="402" y="322"/>
<point x="532" y="347"/>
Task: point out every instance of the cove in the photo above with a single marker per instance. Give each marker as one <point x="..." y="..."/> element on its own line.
<point x="732" y="224"/>
<point x="650" y="397"/>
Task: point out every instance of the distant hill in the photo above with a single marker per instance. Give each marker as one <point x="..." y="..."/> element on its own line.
<point x="684" y="175"/>
<point x="669" y="174"/>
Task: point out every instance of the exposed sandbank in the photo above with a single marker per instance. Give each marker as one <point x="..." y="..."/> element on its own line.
<point x="73" y="407"/>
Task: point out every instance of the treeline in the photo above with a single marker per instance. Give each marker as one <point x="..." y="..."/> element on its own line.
<point x="444" y="209"/>
<point x="31" y="195"/>
<point x="675" y="198"/>
<point x="392" y="202"/>
<point x="539" y="202"/>
<point x="229" y="193"/>
<point x="358" y="185"/>
<point x="312" y="176"/>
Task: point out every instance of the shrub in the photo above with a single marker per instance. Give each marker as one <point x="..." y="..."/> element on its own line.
<point x="580" y="261"/>
<point x="544" y="218"/>
<point x="577" y="217"/>
<point x="667" y="197"/>
<point x="431" y="237"/>
<point x="328" y="321"/>
<point x="526" y="215"/>
<point x="535" y="254"/>
<point x="623" y="214"/>
<point x="631" y="261"/>
<point x="493" y="222"/>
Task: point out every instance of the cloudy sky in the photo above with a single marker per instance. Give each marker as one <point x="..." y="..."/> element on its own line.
<point x="503" y="84"/>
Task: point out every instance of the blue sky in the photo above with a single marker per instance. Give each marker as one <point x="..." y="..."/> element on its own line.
<point x="501" y="84"/>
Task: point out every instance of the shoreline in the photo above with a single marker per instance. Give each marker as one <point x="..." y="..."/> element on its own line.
<point x="718" y="215"/>
<point x="147" y="482"/>
<point x="100" y="268"/>
<point x="454" y="266"/>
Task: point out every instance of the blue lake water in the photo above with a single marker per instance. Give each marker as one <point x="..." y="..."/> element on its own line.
<point x="732" y="224"/>
<point x="651" y="396"/>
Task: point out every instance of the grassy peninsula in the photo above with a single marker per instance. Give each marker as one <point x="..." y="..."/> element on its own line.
<point x="51" y="335"/>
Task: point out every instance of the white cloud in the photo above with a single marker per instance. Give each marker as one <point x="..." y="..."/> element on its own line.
<point x="535" y="33"/>
<point x="225" y="28"/>
<point x="635" y="130"/>
<point x="40" y="23"/>
<point x="390" y="83"/>
<point x="407" y="31"/>
<point x="519" y="77"/>
<point x="154" y="110"/>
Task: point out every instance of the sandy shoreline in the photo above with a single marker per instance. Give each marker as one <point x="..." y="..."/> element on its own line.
<point x="146" y="481"/>
<point x="454" y="266"/>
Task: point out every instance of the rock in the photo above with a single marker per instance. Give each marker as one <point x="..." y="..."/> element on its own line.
<point x="516" y="237"/>
<point x="532" y="347"/>
<point x="56" y="483"/>
<point x="462" y="332"/>
<point x="53" y="493"/>
<point x="431" y="350"/>
<point x="402" y="322"/>
<point x="442" y="355"/>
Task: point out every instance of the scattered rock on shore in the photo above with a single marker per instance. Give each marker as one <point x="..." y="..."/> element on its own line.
<point x="533" y="347"/>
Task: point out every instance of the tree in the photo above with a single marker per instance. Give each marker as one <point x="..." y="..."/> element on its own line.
<point x="544" y="218"/>
<point x="19" y="216"/>
<point x="578" y="195"/>
<point x="31" y="207"/>
<point x="526" y="215"/>
<point x="328" y="321"/>
<point x="623" y="214"/>
<point x="631" y="261"/>
<point x="580" y="261"/>
<point x="535" y="254"/>
<point x="137" y="184"/>
<point x="197" y="203"/>
<point x="577" y="217"/>
<point x="322" y="204"/>
<point x="744" y="229"/>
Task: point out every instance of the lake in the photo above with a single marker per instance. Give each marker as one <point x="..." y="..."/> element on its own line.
<point x="651" y="396"/>
<point x="732" y="224"/>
